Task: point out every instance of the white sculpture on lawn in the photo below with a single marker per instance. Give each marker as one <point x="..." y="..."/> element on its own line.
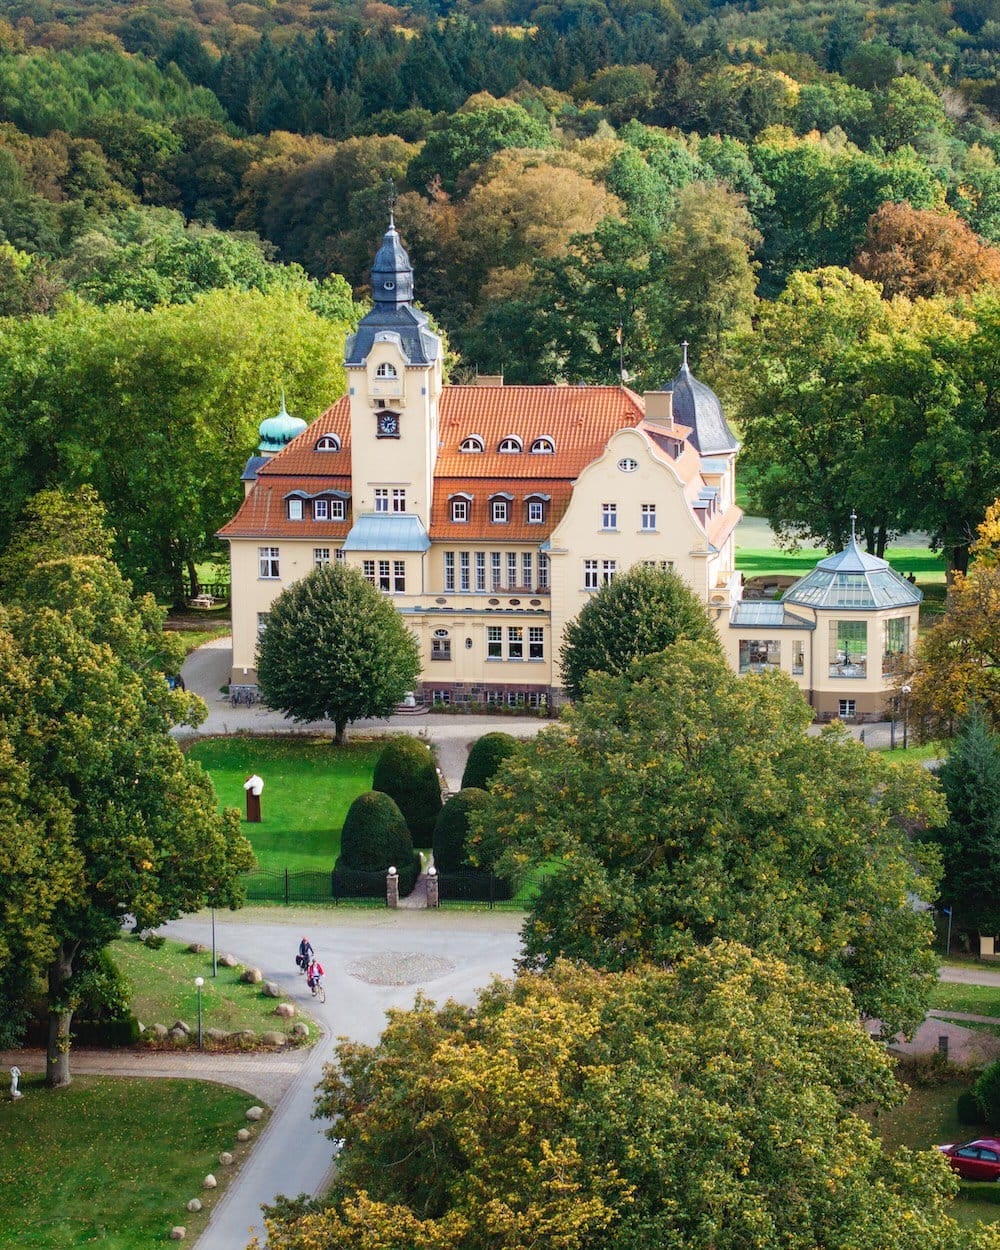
<point x="15" y="1076"/>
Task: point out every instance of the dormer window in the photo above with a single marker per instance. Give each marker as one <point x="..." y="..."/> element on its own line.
<point x="473" y="443"/>
<point x="500" y="511"/>
<point x="460" y="507"/>
<point x="543" y="447"/>
<point x="386" y="371"/>
<point x="511" y="445"/>
<point x="328" y="442"/>
<point x="295" y="509"/>
<point x="536" y="511"/>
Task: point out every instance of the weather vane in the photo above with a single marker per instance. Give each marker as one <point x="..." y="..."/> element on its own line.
<point x="390" y="199"/>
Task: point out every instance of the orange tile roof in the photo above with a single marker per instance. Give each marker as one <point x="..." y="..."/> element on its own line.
<point x="300" y="457"/>
<point x="264" y="513"/>
<point x="479" y="527"/>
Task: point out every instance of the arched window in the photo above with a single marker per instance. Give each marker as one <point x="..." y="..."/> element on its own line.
<point x="328" y="442"/>
<point x="511" y="445"/>
<point x="543" y="446"/>
<point x="472" y="443"/>
<point x="386" y="370"/>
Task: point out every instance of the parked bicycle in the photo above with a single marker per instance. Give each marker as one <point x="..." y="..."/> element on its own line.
<point x="243" y="694"/>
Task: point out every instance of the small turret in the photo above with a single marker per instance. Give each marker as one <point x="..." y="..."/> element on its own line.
<point x="277" y="432"/>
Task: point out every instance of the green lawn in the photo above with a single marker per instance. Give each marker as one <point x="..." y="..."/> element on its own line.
<point x="928" y="1119"/>
<point x="164" y="991"/>
<point x="977" y="1000"/>
<point x="112" y="1162"/>
<point x="925" y="565"/>
<point x="194" y="638"/>
<point x="308" y="786"/>
<point x="928" y="751"/>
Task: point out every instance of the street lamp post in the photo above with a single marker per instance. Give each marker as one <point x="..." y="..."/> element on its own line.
<point x="905" y="691"/>
<point x="199" y="982"/>
<point x="215" y="961"/>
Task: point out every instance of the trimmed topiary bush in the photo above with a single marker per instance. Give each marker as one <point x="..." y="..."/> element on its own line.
<point x="987" y="1092"/>
<point x="968" y="1110"/>
<point x="407" y="773"/>
<point x="452" y="829"/>
<point x="374" y="835"/>
<point x="486" y="756"/>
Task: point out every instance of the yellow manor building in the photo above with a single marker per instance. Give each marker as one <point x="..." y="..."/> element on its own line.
<point x="491" y="513"/>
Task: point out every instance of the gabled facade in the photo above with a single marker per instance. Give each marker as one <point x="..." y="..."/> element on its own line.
<point x="491" y="513"/>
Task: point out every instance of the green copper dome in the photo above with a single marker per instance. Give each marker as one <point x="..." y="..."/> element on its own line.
<point x="277" y="432"/>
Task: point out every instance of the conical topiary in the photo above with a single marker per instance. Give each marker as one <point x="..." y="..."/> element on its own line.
<point x="375" y="835"/>
<point x="407" y="773"/>
<point x="486" y="756"/>
<point x="451" y="832"/>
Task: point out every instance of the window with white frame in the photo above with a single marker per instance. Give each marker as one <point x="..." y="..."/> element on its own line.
<point x="798" y="657"/>
<point x="398" y="499"/>
<point x="609" y="516"/>
<point x="543" y="447"/>
<point x="527" y="577"/>
<point x="511" y="445"/>
<point x="441" y="645"/>
<point x="590" y="574"/>
<point x="480" y="570"/>
<point x="386" y="370"/>
<point x="295" y="509"/>
<point x="848" y="649"/>
<point x="757" y="655"/>
<point x="463" y="571"/>
<point x="664" y="566"/>
<point x="449" y="570"/>
<point x="460" y="509"/>
<point x="368" y="569"/>
<point x="321" y="509"/>
<point x="383" y="576"/>
<point x="649" y="516"/>
<point x="515" y="642"/>
<point x="328" y="442"/>
<point x="608" y="570"/>
<point x="399" y="577"/>
<point x="321" y="556"/>
<point x="442" y="696"/>
<point x="268" y="560"/>
<point x="496" y="575"/>
<point x="543" y="571"/>
<point x="536" y="511"/>
<point x="471" y="444"/>
<point x="338" y="509"/>
<point x="381" y="499"/>
<point x="511" y="570"/>
<point x="847" y="708"/>
<point x="494" y="642"/>
<point x="340" y="554"/>
<point x="536" y="642"/>
<point x="498" y="511"/>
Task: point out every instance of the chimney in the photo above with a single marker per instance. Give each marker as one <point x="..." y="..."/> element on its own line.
<point x="660" y="408"/>
<point x="489" y="379"/>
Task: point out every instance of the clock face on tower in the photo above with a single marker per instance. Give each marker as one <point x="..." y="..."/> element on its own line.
<point x="388" y="425"/>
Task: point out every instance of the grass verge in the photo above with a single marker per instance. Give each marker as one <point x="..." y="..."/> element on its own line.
<point x="112" y="1161"/>
<point x="195" y="638"/>
<point x="164" y="990"/>
<point x="309" y="783"/>
<point x="925" y="565"/>
<point x="977" y="1000"/>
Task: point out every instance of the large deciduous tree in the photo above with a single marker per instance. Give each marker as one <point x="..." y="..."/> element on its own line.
<point x="708" y="1106"/>
<point x="639" y="613"/>
<point x="335" y="649"/>
<point x="138" y="825"/>
<point x="920" y="253"/>
<point x="684" y="803"/>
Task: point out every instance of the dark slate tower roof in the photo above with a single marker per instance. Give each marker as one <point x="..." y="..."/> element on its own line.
<point x="697" y="406"/>
<point x="393" y="317"/>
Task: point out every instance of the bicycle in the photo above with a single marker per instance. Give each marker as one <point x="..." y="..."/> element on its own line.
<point x="319" y="991"/>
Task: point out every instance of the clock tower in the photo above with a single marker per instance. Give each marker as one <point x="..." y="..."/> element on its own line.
<point x="393" y="367"/>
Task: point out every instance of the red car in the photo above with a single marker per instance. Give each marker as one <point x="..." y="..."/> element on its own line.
<point x="977" y="1160"/>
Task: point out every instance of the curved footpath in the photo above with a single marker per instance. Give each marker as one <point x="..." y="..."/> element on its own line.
<point x="366" y="954"/>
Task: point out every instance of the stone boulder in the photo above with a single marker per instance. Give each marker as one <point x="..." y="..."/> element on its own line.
<point x="300" y="1029"/>
<point x="252" y="976"/>
<point x="216" y="1035"/>
<point x="179" y="1035"/>
<point x="271" y="990"/>
<point x="225" y="1158"/>
<point x="273" y="1039"/>
<point x="209" y="1182"/>
<point x="285" y="1010"/>
<point x="255" y="1113"/>
<point x="243" y="1036"/>
<point x="194" y="1204"/>
<point x="159" y="1030"/>
<point x="229" y="961"/>
<point x="197" y="948"/>
<point x="179" y="1024"/>
<point x="243" y="1134"/>
<point x="178" y="1232"/>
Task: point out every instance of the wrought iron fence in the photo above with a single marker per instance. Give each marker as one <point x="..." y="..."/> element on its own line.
<point x="286" y="886"/>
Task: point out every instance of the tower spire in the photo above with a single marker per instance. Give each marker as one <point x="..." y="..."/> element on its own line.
<point x="854" y="523"/>
<point x="684" y="349"/>
<point x="391" y="201"/>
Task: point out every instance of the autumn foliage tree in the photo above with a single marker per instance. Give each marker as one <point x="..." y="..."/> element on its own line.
<point x="689" y="1107"/>
<point x="918" y="252"/>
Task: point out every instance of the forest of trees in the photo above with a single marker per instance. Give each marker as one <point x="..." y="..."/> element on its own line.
<point x="580" y="187"/>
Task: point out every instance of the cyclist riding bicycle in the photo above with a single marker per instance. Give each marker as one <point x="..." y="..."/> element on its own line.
<point x="314" y="977"/>
<point x="305" y="956"/>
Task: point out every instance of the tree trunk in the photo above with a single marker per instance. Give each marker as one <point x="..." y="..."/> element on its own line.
<point x="341" y="737"/>
<point x="193" y="578"/>
<point x="956" y="561"/>
<point x="880" y="540"/>
<point x="57" y="1073"/>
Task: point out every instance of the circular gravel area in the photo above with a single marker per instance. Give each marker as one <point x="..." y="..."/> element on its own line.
<point x="399" y="968"/>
